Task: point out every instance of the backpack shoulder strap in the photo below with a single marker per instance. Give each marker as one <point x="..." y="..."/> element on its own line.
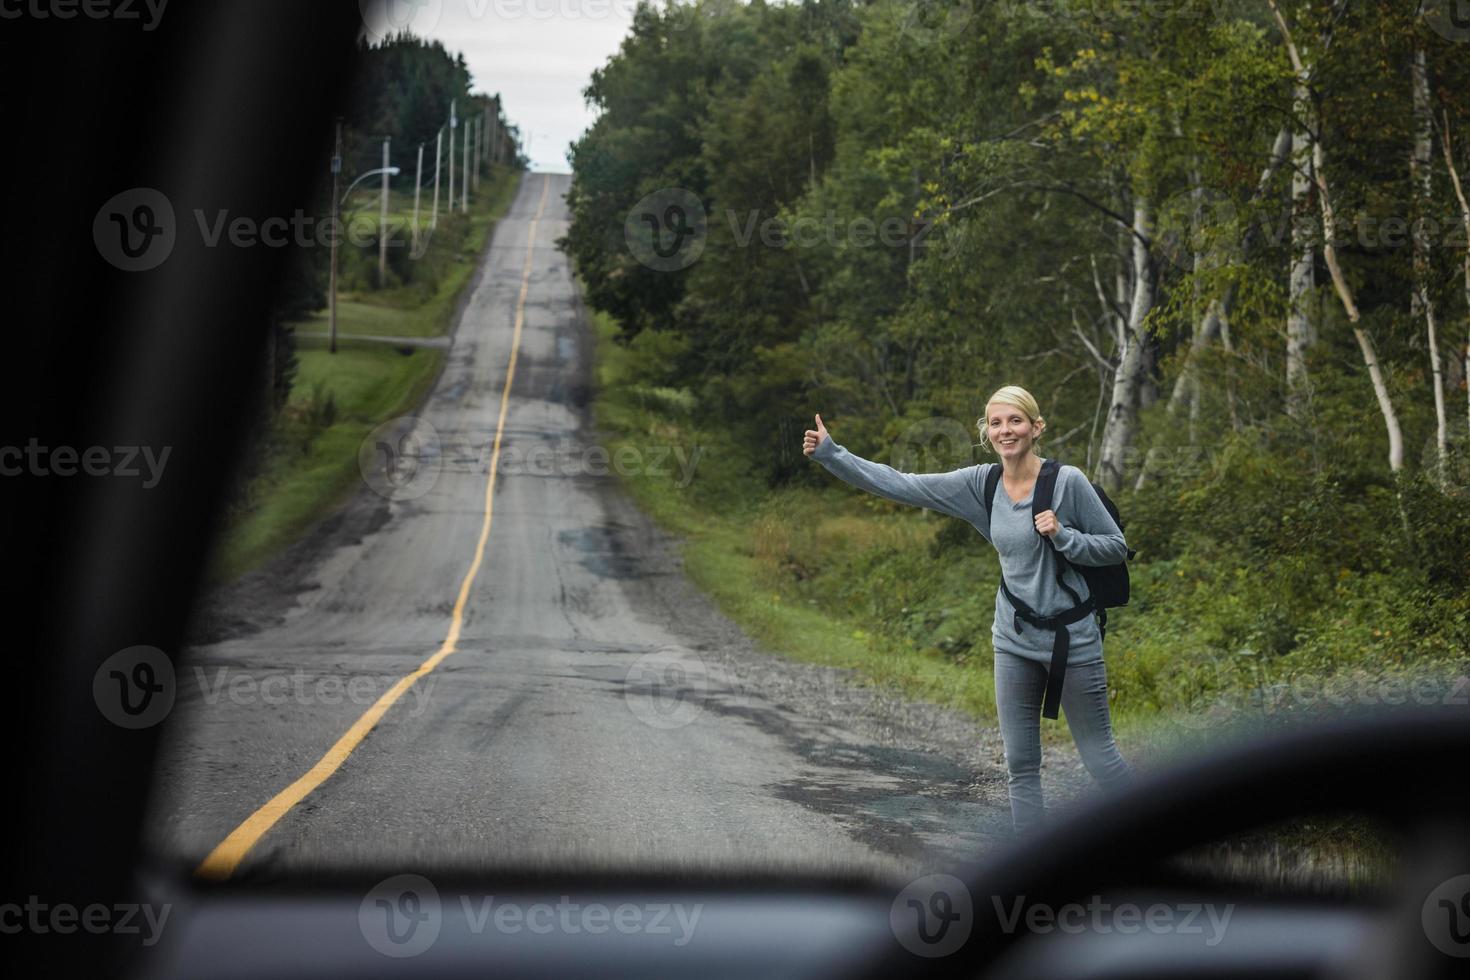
<point x="1046" y="487"/>
<point x="1041" y="499"/>
<point x="992" y="480"/>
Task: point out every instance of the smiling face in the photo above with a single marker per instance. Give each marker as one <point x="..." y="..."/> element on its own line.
<point x="1009" y="431"/>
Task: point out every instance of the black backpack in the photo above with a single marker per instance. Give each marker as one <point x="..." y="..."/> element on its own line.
<point x="1107" y="583"/>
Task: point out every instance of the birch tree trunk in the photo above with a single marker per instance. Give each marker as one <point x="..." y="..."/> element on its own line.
<point x="1350" y="306"/>
<point x="1329" y="254"/>
<point x="1123" y="406"/>
<point x="1300" y="331"/>
<point x="1449" y="159"/>
<point x="1421" y="300"/>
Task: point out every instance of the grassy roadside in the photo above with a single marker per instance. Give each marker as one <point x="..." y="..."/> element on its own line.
<point x="734" y="541"/>
<point x="852" y="581"/>
<point x="310" y="466"/>
<point x="905" y="597"/>
<point x="739" y="543"/>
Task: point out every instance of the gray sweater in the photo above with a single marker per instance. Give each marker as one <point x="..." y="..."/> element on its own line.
<point x="1088" y="536"/>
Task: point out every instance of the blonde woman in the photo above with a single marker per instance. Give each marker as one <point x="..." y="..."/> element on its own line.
<point x="1034" y="587"/>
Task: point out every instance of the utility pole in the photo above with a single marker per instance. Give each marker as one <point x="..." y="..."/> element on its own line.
<point x="438" y="145"/>
<point x="485" y="121"/>
<point x="336" y="231"/>
<point x="464" y="191"/>
<point x="453" y="122"/>
<point x="383" y="223"/>
<point x="495" y="136"/>
<point x="418" y="180"/>
<point x="479" y="138"/>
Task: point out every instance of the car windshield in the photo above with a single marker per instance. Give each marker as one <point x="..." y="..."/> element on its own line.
<point x="823" y="438"/>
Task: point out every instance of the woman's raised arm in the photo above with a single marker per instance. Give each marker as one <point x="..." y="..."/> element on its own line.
<point x="956" y="493"/>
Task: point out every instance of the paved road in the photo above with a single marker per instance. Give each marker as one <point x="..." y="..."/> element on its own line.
<point x="590" y="712"/>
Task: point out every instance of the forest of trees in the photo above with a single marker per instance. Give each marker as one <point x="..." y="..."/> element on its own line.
<point x="1225" y="242"/>
<point x="401" y="89"/>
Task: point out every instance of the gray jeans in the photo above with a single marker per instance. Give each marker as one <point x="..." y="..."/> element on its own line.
<point x="1020" y="686"/>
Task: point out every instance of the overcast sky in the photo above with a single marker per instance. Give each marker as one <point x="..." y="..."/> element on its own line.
<point x="538" y="54"/>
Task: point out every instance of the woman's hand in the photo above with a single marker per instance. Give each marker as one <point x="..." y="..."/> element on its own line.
<point x="1046" y="523"/>
<point x="814" y="437"/>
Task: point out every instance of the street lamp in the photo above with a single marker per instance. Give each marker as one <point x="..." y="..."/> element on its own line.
<point x="390" y="171"/>
<point x="336" y="232"/>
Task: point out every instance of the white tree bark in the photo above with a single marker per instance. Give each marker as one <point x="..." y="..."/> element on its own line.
<point x="1300" y="331"/>
<point x="1350" y="305"/>
<point x="1339" y="282"/>
<point x="1123" y="406"/>
<point x="1422" y="301"/>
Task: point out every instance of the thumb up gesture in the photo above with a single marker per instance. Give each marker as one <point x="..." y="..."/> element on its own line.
<point x="814" y="437"/>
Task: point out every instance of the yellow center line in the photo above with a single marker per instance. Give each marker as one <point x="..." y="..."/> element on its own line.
<point x="227" y="855"/>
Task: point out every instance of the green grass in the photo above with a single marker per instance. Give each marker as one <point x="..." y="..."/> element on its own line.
<point x="368" y="318"/>
<point x="310" y="464"/>
<point x="719" y="562"/>
<point x="905" y="598"/>
<point x="306" y="479"/>
<point x="848" y="580"/>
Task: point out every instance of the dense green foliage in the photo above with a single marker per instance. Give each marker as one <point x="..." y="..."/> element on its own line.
<point x="905" y="206"/>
